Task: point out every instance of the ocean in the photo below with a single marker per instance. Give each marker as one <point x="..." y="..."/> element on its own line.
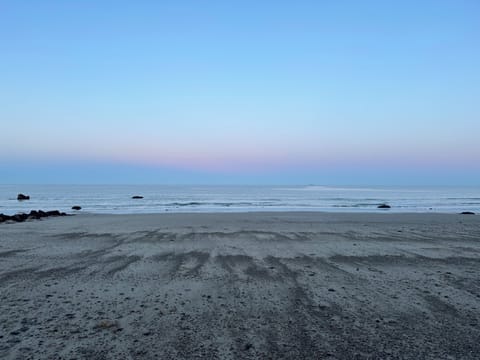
<point x="117" y="199"/>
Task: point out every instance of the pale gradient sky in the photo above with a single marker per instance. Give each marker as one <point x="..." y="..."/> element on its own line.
<point x="347" y="92"/>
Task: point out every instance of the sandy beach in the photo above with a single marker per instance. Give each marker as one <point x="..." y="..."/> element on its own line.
<point x="241" y="286"/>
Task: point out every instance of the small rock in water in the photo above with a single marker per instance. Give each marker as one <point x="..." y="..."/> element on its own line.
<point x="467" y="213"/>
<point x="76" y="207"/>
<point x="137" y="197"/>
<point x="23" y="197"/>
<point x="383" y="206"/>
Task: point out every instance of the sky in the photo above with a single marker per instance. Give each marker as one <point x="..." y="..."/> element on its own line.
<point x="274" y="92"/>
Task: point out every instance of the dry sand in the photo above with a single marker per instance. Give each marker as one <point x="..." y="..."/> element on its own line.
<point x="240" y="286"/>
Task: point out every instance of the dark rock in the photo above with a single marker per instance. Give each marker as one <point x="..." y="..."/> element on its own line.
<point x="42" y="213"/>
<point x="4" y="217"/>
<point x="137" y="197"/>
<point x="23" y="197"/>
<point x="76" y="207"/>
<point x="19" y="217"/>
<point x="34" y="214"/>
<point x="383" y="206"/>
<point x="467" y="213"/>
<point x="54" y="213"/>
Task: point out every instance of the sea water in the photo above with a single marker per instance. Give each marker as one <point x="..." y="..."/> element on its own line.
<point x="117" y="199"/>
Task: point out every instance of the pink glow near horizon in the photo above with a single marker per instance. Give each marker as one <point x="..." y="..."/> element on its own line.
<point x="244" y="153"/>
<point x="255" y="159"/>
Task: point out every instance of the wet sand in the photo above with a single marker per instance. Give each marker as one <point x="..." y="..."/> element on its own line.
<point x="241" y="286"/>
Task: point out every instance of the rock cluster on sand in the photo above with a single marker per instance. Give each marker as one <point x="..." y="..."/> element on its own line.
<point x="23" y="197"/>
<point x="137" y="197"/>
<point x="33" y="215"/>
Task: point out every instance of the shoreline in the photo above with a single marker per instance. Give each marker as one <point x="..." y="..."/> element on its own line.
<point x="270" y="212"/>
<point x="262" y="212"/>
<point x="284" y="285"/>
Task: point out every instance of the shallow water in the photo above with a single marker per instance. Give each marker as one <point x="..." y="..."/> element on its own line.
<point x="162" y="198"/>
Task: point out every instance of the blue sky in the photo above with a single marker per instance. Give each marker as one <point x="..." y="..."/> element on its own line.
<point x="343" y="92"/>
